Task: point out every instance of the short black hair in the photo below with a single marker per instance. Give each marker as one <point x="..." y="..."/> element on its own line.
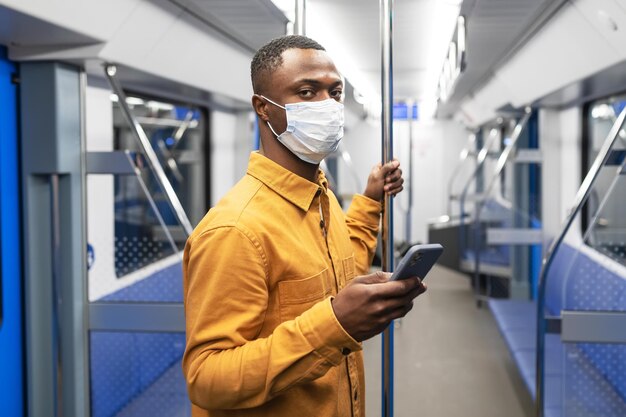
<point x="269" y="56"/>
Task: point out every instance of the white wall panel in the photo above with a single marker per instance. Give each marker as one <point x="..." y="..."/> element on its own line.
<point x="467" y="112"/>
<point x="567" y="49"/>
<point x="141" y="33"/>
<point x="181" y="49"/>
<point x="495" y="95"/>
<point x="608" y="17"/>
<point x="475" y="112"/>
<point x="98" y="19"/>
<point x="560" y="134"/>
<point x="223" y="157"/>
<point x="100" y="195"/>
<point x="362" y="140"/>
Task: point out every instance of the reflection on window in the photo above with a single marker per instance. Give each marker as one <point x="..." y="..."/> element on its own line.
<point x="605" y="217"/>
<point x="177" y="135"/>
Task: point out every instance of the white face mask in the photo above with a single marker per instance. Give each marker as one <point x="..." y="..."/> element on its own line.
<point x="314" y="128"/>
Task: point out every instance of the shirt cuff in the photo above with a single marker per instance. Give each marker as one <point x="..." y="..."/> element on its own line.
<point x="365" y="210"/>
<point x="323" y="331"/>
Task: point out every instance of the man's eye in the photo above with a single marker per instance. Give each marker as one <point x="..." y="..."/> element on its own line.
<point x="336" y="93"/>
<point x="307" y="93"/>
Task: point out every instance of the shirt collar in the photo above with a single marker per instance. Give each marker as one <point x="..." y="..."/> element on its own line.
<point x="290" y="186"/>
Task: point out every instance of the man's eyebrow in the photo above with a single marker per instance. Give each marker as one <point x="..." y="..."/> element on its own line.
<point x="316" y="82"/>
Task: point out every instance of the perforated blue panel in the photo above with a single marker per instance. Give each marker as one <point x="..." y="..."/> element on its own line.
<point x="593" y="287"/>
<point x="587" y="389"/>
<point x="597" y="284"/>
<point x="581" y="379"/>
<point x="138" y="374"/>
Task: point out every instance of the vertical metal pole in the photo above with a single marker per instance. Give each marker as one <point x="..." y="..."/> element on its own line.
<point x="408" y="224"/>
<point x="300" y="23"/>
<point x="386" y="37"/>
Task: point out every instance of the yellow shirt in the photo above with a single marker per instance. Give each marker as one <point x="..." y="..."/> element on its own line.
<point x="259" y="273"/>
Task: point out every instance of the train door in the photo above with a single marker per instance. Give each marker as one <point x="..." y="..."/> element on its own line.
<point x="11" y="346"/>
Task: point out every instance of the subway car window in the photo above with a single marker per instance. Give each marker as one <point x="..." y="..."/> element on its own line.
<point x="605" y="222"/>
<point x="177" y="136"/>
<point x="146" y="234"/>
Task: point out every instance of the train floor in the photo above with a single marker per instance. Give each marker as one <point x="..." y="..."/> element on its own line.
<point x="450" y="359"/>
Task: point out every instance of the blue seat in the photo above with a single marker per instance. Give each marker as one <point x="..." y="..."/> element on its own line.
<point x="592" y="377"/>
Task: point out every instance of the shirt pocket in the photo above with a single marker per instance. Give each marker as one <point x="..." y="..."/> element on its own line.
<point x="297" y="296"/>
<point x="348" y="268"/>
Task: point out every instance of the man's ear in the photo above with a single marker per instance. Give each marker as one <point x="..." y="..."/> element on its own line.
<point x="260" y="107"/>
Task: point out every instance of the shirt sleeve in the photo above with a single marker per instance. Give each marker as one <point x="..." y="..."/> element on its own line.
<point x="363" y="220"/>
<point x="226" y="364"/>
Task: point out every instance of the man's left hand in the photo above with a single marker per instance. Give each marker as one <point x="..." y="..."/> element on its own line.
<point x="384" y="179"/>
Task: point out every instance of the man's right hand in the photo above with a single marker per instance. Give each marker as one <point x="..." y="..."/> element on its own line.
<point x="367" y="305"/>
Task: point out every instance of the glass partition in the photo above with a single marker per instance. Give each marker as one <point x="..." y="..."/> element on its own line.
<point x="604" y="216"/>
<point x="135" y="282"/>
<point x="593" y="278"/>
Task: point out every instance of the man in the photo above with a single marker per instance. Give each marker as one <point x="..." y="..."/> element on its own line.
<point x="275" y="315"/>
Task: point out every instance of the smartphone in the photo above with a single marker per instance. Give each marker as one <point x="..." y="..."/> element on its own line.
<point x="417" y="261"/>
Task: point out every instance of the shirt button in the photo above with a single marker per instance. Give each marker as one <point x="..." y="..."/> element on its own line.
<point x="345" y="351"/>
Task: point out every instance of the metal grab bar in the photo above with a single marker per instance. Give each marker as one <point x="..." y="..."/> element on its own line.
<point x="457" y="170"/>
<point x="151" y="156"/>
<point x="579" y="201"/>
<point x="502" y="160"/>
<point x="480" y="161"/>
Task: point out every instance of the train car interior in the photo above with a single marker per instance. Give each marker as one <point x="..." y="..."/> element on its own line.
<point x="123" y="122"/>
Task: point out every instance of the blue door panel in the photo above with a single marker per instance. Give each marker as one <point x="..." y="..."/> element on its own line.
<point x="11" y="347"/>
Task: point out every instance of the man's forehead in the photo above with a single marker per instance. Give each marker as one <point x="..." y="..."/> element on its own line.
<point x="297" y="62"/>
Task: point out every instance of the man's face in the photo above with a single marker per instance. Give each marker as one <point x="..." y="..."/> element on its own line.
<point x="305" y="75"/>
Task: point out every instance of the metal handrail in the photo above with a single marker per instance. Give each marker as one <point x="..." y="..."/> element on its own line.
<point x="480" y="161"/>
<point x="153" y="160"/>
<point x="579" y="201"/>
<point x="457" y="170"/>
<point x="505" y="156"/>
<point x="408" y="215"/>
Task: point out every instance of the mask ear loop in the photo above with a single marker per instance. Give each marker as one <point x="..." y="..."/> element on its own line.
<point x="272" y="129"/>
<point x="275" y="104"/>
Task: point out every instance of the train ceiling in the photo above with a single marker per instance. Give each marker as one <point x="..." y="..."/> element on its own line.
<point x="349" y="29"/>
